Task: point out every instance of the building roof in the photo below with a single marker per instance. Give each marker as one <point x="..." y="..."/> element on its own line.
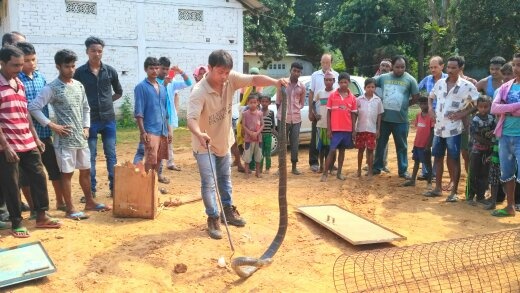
<point x="253" y="5"/>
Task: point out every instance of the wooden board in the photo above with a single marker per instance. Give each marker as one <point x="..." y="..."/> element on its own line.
<point x="353" y="228"/>
<point x="135" y="192"/>
<point x="23" y="263"/>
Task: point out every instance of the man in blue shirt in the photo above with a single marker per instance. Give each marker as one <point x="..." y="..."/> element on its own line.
<point x="426" y="85"/>
<point x="99" y="79"/>
<point x="151" y="114"/>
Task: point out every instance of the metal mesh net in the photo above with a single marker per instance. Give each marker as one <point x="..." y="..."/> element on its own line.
<point x="486" y="263"/>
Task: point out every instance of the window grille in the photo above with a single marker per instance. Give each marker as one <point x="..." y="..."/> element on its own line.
<point x="191" y="15"/>
<point x="81" y="7"/>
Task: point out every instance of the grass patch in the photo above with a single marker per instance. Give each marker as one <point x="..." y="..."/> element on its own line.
<point x="181" y="136"/>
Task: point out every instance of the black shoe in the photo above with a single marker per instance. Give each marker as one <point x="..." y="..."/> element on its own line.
<point x="25" y="207"/>
<point x="214" y="228"/>
<point x="422" y="178"/>
<point x="386" y="170"/>
<point x="233" y="217"/>
<point x="376" y="172"/>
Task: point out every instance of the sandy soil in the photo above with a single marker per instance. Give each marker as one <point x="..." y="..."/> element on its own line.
<point x="107" y="254"/>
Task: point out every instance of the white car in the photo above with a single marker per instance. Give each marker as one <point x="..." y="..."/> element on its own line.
<point x="356" y="86"/>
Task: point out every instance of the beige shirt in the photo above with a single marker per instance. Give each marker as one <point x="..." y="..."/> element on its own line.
<point x="213" y="112"/>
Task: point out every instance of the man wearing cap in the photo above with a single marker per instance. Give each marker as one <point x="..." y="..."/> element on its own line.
<point x="318" y="84"/>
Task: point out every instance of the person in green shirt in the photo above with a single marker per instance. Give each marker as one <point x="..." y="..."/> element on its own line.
<point x="397" y="88"/>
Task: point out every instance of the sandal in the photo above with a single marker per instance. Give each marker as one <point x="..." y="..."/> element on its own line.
<point x="49" y="223"/>
<point x="77" y="216"/>
<point x="20" y="232"/>
<point x="100" y="207"/>
<point x="501" y="213"/>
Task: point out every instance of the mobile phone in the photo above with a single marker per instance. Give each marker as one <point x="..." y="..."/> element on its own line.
<point x="171" y="74"/>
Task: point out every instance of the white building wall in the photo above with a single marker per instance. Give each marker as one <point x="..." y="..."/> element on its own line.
<point x="132" y="30"/>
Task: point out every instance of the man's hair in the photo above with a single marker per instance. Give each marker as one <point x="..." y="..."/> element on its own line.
<point x="265" y="97"/>
<point x="297" y="65"/>
<point x="459" y="59"/>
<point x="94" y="41"/>
<point x="151" y="61"/>
<point x="65" y="56"/>
<point x="27" y="48"/>
<point x="253" y="96"/>
<point x="164" y="61"/>
<point x="328" y="54"/>
<point x="508" y="67"/>
<point x="439" y="60"/>
<point x="344" y="75"/>
<point x="220" y="58"/>
<point x="483" y="99"/>
<point x="9" y="51"/>
<point x="8" y="38"/>
<point x="370" y="80"/>
<point x="398" y="57"/>
<point x="497" y="60"/>
<point x="517" y="55"/>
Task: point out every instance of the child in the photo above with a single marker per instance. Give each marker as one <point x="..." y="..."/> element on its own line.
<point x="370" y="108"/>
<point x="267" y="131"/>
<point x="481" y="130"/>
<point x="421" y="152"/>
<point x="341" y="115"/>
<point x="34" y="82"/>
<point x="253" y="124"/>
<point x="151" y="114"/>
<point x="320" y="104"/>
<point x="69" y="101"/>
<point x="497" y="193"/>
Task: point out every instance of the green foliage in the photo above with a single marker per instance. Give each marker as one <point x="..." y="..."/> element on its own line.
<point x="126" y="114"/>
<point x="265" y="33"/>
<point x="487" y="28"/>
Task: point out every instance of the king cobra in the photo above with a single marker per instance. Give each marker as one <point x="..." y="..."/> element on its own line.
<point x="246" y="266"/>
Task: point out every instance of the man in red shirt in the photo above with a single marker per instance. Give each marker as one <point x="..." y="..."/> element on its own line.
<point x="341" y="116"/>
<point x="19" y="146"/>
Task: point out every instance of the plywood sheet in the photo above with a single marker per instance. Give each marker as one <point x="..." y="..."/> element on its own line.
<point x="135" y="192"/>
<point x="349" y="226"/>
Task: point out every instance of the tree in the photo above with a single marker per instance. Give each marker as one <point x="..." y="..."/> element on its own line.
<point x="264" y="33"/>
<point x="483" y="32"/>
<point x="304" y="33"/>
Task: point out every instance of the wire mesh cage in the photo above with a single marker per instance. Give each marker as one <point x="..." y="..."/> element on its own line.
<point x="486" y="263"/>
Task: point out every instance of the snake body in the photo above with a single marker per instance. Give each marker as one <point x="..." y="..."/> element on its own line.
<point x="245" y="266"/>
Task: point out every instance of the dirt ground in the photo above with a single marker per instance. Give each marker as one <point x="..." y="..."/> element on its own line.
<point x="107" y="254"/>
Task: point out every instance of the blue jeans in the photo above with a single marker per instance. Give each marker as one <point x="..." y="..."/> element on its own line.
<point x="509" y="154"/>
<point x="399" y="132"/>
<point x="107" y="129"/>
<point x="222" y="168"/>
<point x="449" y="145"/>
<point x="139" y="156"/>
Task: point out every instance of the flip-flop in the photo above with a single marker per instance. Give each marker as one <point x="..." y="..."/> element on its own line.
<point x="20" y="232"/>
<point x="100" y="207"/>
<point x="50" y="223"/>
<point x="501" y="213"/>
<point x="77" y="216"/>
<point x="447" y="187"/>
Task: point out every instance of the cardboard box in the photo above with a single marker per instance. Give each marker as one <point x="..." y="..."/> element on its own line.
<point x="135" y="192"/>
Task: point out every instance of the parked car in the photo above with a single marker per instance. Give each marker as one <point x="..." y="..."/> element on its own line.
<point x="356" y="87"/>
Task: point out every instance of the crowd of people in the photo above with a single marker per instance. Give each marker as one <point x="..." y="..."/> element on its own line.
<point x="459" y="117"/>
